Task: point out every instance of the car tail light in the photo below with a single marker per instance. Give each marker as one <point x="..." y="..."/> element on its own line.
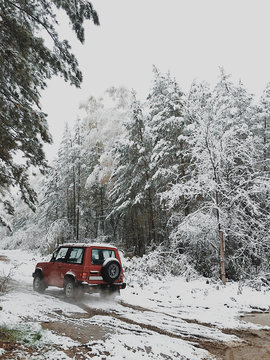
<point x="84" y="275"/>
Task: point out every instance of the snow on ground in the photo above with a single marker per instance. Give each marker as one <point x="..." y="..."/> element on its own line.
<point x="196" y="300"/>
<point x="147" y="320"/>
<point x="20" y="264"/>
<point x="149" y="346"/>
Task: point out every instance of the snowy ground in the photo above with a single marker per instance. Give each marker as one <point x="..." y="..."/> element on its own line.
<point x="169" y="319"/>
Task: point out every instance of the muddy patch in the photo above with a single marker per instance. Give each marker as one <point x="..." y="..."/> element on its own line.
<point x="255" y="345"/>
<point x="78" y="332"/>
<point x="4" y="259"/>
<point x="257" y="318"/>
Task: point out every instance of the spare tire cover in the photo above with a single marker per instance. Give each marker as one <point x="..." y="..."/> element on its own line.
<point x="111" y="270"/>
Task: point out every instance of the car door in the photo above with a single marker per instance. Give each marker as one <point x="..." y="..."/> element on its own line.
<point x="98" y="256"/>
<point x="56" y="267"/>
<point x="74" y="262"/>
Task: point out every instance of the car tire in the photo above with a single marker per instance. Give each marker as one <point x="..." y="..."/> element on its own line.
<point x="69" y="288"/>
<point x="72" y="291"/>
<point x="111" y="271"/>
<point x="39" y="284"/>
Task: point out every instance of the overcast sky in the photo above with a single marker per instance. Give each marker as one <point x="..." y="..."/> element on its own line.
<point x="190" y="38"/>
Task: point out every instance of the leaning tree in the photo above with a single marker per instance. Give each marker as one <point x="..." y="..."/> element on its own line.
<point x="27" y="62"/>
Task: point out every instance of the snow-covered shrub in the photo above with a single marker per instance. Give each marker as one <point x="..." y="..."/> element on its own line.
<point x="259" y="281"/>
<point x="196" y="238"/>
<point x="4" y="284"/>
<point x="5" y="280"/>
<point x="59" y="232"/>
<point x="31" y="238"/>
<point x="157" y="263"/>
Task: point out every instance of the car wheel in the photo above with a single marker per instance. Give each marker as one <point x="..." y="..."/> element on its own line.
<point x="39" y="284"/>
<point x="72" y="291"/>
<point x="69" y="289"/>
<point x="111" y="271"/>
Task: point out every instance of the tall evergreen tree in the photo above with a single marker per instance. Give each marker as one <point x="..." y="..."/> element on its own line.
<point x="167" y="124"/>
<point x="264" y="126"/>
<point x="132" y="192"/>
<point x="26" y="63"/>
<point x="168" y="132"/>
<point x="103" y="126"/>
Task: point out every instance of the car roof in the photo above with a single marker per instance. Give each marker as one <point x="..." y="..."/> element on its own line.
<point x="88" y="245"/>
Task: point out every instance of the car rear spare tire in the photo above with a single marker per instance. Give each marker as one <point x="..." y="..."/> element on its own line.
<point x="111" y="270"/>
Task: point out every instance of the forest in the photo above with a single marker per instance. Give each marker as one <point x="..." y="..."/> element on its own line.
<point x="184" y="175"/>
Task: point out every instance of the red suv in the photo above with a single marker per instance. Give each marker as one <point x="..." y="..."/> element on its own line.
<point x="80" y="268"/>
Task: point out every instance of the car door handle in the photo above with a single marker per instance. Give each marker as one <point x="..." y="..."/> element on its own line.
<point x="59" y="266"/>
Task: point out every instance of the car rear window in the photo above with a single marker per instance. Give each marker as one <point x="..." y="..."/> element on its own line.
<point x="100" y="255"/>
<point x="75" y="255"/>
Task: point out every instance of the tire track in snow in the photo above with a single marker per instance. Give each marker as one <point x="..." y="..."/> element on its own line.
<point x="188" y="331"/>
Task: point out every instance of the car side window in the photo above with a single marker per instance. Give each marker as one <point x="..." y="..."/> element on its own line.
<point x="76" y="256"/>
<point x="100" y="255"/>
<point x="61" y="254"/>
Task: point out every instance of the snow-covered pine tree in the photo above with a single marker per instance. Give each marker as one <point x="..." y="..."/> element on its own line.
<point x="168" y="131"/>
<point x="76" y="176"/>
<point x="56" y="204"/>
<point x="263" y="119"/>
<point x="132" y="193"/>
<point x="167" y="124"/>
<point x="103" y="125"/>
<point x="26" y="63"/>
<point x="192" y="240"/>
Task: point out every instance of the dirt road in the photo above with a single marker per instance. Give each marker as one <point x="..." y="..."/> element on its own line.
<point x="97" y="324"/>
<point x="98" y="328"/>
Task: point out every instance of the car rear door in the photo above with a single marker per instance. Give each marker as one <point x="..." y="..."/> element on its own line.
<point x="98" y="256"/>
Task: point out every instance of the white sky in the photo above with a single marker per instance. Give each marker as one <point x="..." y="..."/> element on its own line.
<point x="190" y="38"/>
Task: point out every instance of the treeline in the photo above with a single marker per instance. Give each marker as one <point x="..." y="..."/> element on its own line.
<point x="188" y="172"/>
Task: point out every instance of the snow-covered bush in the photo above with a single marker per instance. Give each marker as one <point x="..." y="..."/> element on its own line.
<point x="258" y="282"/>
<point x="25" y="238"/>
<point x="59" y="232"/>
<point x="4" y="284"/>
<point x="197" y="238"/>
<point x="157" y="263"/>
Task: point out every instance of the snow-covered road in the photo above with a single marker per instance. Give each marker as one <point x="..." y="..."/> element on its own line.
<point x="169" y="319"/>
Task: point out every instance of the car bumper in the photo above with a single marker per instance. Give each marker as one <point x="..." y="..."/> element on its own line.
<point x="97" y="287"/>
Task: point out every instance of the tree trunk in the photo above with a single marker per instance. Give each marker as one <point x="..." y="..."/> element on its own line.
<point x="101" y="217"/>
<point x="265" y="145"/>
<point x="183" y="173"/>
<point x="222" y="258"/>
<point x="78" y="203"/>
<point x="217" y="203"/>
<point x="74" y="201"/>
<point x="221" y="241"/>
<point x="152" y="231"/>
